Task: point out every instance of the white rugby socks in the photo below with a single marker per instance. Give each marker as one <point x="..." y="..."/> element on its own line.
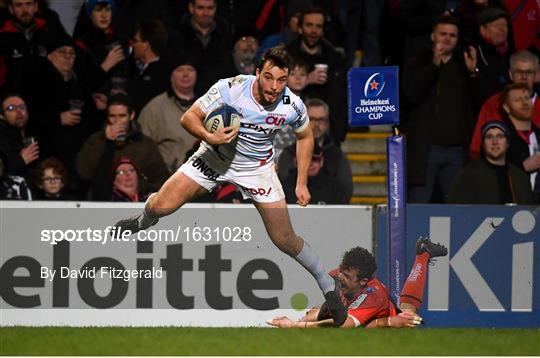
<point x="309" y="259"/>
<point x="146" y="219"/>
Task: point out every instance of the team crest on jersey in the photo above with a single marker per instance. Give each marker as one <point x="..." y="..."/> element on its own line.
<point x="358" y="301"/>
<point x="286" y="100"/>
<point x="210" y="97"/>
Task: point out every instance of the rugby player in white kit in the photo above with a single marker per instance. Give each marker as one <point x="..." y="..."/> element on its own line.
<point x="244" y="156"/>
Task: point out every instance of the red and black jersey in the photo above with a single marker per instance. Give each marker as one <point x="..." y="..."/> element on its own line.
<point x="370" y="303"/>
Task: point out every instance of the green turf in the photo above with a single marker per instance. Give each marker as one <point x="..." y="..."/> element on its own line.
<point x="258" y="341"/>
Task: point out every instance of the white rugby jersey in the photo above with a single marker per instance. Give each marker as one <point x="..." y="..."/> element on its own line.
<point x="259" y="124"/>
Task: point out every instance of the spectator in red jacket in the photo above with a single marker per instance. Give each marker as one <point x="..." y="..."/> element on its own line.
<point x="525" y="18"/>
<point x="523" y="67"/>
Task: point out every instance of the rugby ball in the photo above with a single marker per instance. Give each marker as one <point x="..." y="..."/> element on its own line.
<point x="223" y="116"/>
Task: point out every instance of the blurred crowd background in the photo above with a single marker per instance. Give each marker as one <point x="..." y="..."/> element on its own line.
<point x="92" y="91"/>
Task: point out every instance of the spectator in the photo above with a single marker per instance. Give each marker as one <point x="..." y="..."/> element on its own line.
<point x="326" y="80"/>
<point x="363" y="22"/>
<point x="125" y="185"/>
<point x="12" y="187"/>
<point x="160" y="118"/>
<point x="336" y="163"/>
<point x="435" y="87"/>
<point x="468" y="11"/>
<point x="417" y="19"/>
<point x="22" y="43"/>
<point x="297" y="82"/>
<point x="243" y="56"/>
<point x="290" y="32"/>
<point x="524" y="138"/>
<point x="488" y="60"/>
<point x="323" y="187"/>
<point x="58" y="97"/>
<point x="120" y="137"/>
<point x="17" y="148"/>
<point x="206" y="40"/>
<point x="51" y="179"/>
<point x="127" y="15"/>
<point x="101" y="51"/>
<point x="525" y="18"/>
<point x="51" y="16"/>
<point x="523" y="67"/>
<point x="491" y="180"/>
<point x="150" y="75"/>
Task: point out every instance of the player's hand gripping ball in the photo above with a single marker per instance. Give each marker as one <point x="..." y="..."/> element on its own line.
<point x="223" y="116"/>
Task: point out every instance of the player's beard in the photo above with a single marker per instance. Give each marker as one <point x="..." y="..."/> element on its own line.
<point x="262" y="93"/>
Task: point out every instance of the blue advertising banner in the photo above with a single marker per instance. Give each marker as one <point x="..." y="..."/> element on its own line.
<point x="373" y="94"/>
<point x="490" y="276"/>
<point x="397" y="225"/>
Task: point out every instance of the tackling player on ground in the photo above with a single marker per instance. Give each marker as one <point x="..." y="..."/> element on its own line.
<point x="244" y="156"/>
<point x="367" y="299"/>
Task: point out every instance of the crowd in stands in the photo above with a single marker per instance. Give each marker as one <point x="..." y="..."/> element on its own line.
<point x="93" y="113"/>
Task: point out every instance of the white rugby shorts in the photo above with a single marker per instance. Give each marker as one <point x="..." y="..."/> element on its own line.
<point x="208" y="170"/>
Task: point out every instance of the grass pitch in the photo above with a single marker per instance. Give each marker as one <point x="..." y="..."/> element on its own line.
<point x="259" y="341"/>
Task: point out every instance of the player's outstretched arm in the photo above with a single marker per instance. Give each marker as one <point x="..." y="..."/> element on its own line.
<point x="192" y="121"/>
<point x="304" y="151"/>
<point x="402" y="320"/>
<point x="285" y="322"/>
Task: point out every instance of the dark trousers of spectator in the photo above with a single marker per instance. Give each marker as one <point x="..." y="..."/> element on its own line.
<point x="443" y="164"/>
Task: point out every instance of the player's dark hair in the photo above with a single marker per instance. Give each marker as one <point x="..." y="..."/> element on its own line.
<point x="278" y="56"/>
<point x="446" y="20"/>
<point x="510" y="87"/>
<point x="313" y="10"/>
<point x="155" y="33"/>
<point x="361" y="259"/>
<point x="122" y="100"/>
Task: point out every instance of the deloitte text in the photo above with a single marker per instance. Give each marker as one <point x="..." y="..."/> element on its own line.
<point x="177" y="287"/>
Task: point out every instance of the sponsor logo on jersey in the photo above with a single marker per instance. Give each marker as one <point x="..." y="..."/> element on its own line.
<point x="204" y="168"/>
<point x="356" y="303"/>
<point x="257" y="191"/>
<point x="296" y="109"/>
<point x="258" y="128"/>
<point x="275" y="119"/>
<point x="286" y="100"/>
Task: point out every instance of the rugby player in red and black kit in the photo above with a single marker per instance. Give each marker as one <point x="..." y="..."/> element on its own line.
<point x="367" y="299"/>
